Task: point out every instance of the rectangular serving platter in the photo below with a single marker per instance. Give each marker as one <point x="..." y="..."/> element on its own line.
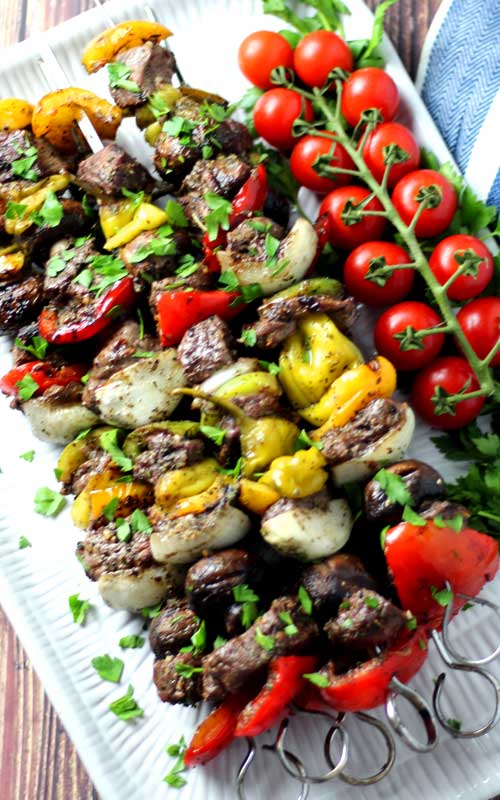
<point x="128" y="760"/>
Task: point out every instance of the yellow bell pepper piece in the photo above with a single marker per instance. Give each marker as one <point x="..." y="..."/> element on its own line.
<point x="350" y="393"/>
<point x="297" y="476"/>
<point x="114" y="215"/>
<point x="313" y="357"/>
<point x="11" y="262"/>
<point x="77" y="451"/>
<point x="33" y="198"/>
<point x="146" y="218"/>
<point x="177" y="484"/>
<point x="256" y="496"/>
<point x="200" y="502"/>
<point x="99" y="491"/>
<point x="15" y="114"/>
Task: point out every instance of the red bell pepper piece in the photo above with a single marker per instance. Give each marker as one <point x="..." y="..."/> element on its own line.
<point x="251" y="197"/>
<point x="44" y="374"/>
<point x="179" y="309"/>
<point x="422" y="558"/>
<point x="367" y="686"/>
<point x="322" y="228"/>
<point x="284" y="683"/>
<point x="92" y="319"/>
<point x="216" y="732"/>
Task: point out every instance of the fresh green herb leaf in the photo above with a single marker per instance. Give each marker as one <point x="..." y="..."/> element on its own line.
<point x="248" y="337"/>
<point x="118" y="76"/>
<point x="411" y="623"/>
<point x="131" y="642"/>
<point x="51" y="212"/>
<point x="177" y="125"/>
<point x="394" y="487"/>
<point x="110" y="509"/>
<point x="378" y="27"/>
<point x="332" y="10"/>
<point x="48" y="502"/>
<point x="455" y="724"/>
<point x="29" y="455"/>
<point x="109" y="669"/>
<point x="139" y="522"/>
<point x="126" y="707"/>
<point x="174" y="777"/>
<point x="266" y="642"/>
<point x="290" y="627"/>
<point x="317" y="679"/>
<point x="233" y="472"/>
<point x="26" y="387"/>
<point x="123" y="530"/>
<point x="136" y="198"/>
<point x="219" y="642"/>
<point x="444" y="597"/>
<point x="305" y="600"/>
<point x="218" y="216"/>
<point x="158" y="105"/>
<point x="24" y="543"/>
<point x="371" y="602"/>
<point x="187" y="266"/>
<point x="216" y="435"/>
<point x="176" y="215"/>
<point x="413" y="518"/>
<point x="271" y="367"/>
<point x="187" y="670"/>
<point x="304" y="441"/>
<point x="383" y="534"/>
<point x="422" y="644"/>
<point x="79" y="608"/>
<point x="109" y="442"/>
<point x="244" y="594"/>
<point x="14" y="210"/>
<point x="38" y="346"/>
<point x="151" y="612"/>
<point x="25" y="167"/>
<point x="199" y="638"/>
<point x="455" y="523"/>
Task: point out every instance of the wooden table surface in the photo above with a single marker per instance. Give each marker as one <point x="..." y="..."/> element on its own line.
<point x="37" y="759"/>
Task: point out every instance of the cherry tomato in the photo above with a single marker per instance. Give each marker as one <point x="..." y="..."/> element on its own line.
<point x="480" y="321"/>
<point x="305" y="153"/>
<point x="397" y="320"/>
<point x="433" y="221"/>
<point x="350" y="236"/>
<point x="448" y="256"/>
<point x="452" y="374"/>
<point x="397" y="286"/>
<point x="274" y="115"/>
<point x="366" y="88"/>
<point x="374" y="151"/>
<point x="260" y="53"/>
<point x="317" y="54"/>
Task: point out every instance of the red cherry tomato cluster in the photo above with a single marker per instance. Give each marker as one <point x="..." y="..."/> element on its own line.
<point x="424" y="199"/>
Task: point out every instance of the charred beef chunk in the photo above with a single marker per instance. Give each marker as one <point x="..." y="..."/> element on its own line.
<point x="165" y="451"/>
<point x="205" y="348"/>
<point x="14" y="146"/>
<point x="173" y="628"/>
<point x="230" y="449"/>
<point x="96" y="462"/>
<point x="42" y="237"/>
<point x="210" y="581"/>
<point x="278" y="318"/>
<point x="248" y="240"/>
<point x="234" y="664"/>
<point x="106" y="173"/>
<point x="334" y="579"/>
<point x="319" y="500"/>
<point x="223" y="176"/>
<point x="423" y="482"/>
<point x="150" y="66"/>
<point x="171" y="681"/>
<point x="102" y="551"/>
<point x="71" y="393"/>
<point x="25" y="336"/>
<point x="115" y="355"/>
<point x="139" y="263"/>
<point x="232" y="137"/>
<point x="66" y="260"/>
<point x="359" y="434"/>
<point x="261" y="404"/>
<point x="20" y="302"/>
<point x="365" y="620"/>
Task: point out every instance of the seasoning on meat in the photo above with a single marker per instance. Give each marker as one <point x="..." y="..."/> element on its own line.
<point x="20" y="302"/>
<point x="178" y="679"/>
<point x="13" y="148"/>
<point x="173" y="628"/>
<point x="106" y="173"/>
<point x="59" y="282"/>
<point x="150" y="67"/>
<point x="369" y="425"/>
<point x="331" y="581"/>
<point x="101" y="552"/>
<point x="365" y="620"/>
<point x="165" y="451"/>
<point x="205" y="348"/>
<point x="223" y="175"/>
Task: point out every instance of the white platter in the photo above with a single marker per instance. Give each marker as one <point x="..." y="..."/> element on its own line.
<point x="128" y="760"/>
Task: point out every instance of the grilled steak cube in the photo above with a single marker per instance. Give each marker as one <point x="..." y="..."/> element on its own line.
<point x="175" y="680"/>
<point x="106" y="173"/>
<point x="205" y="348"/>
<point x="155" y="266"/>
<point x="234" y="664"/>
<point x="365" y="620"/>
<point x="42" y="237"/>
<point x="64" y="264"/>
<point x="150" y="66"/>
<point x="173" y="628"/>
<point x="13" y="148"/>
<point x="102" y="552"/>
<point x="362" y="431"/>
<point x="20" y="302"/>
<point x="165" y="451"/>
<point x="223" y="175"/>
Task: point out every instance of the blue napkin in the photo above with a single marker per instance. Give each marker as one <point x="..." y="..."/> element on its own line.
<point x="459" y="79"/>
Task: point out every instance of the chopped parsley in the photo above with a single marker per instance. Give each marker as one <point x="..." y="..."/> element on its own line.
<point x="187" y="266"/>
<point x="371" y="602"/>
<point x="303" y="441"/>
<point x="394" y="487"/>
<point x="455" y="724"/>
<point x="290" y="627"/>
<point x="109" y="669"/>
<point x="24" y="167"/>
<point x="219" y="642"/>
<point x="119" y="78"/>
<point x="187" y="670"/>
<point x="162" y="244"/>
<point x="48" y="502"/>
<point x="110" y="509"/>
<point x="218" y="216"/>
<point x="175" y="126"/>
<point x="51" y="212"/>
<point x="305" y="601"/>
<point x="444" y="596"/>
<point x="109" y="442"/>
<point x="139" y="522"/>
<point x="232" y="472"/>
<point x="79" y="608"/>
<point x="14" y="210"/>
<point x="38" y="346"/>
<point x="271" y="367"/>
<point x="317" y="679"/>
<point x="123" y="530"/>
<point x="29" y="455"/>
<point x="411" y="623"/>
<point x="456" y="523"/>
<point x="216" y="435"/>
<point x="266" y="642"/>
<point x="131" y="642"/>
<point x="175" y="214"/>
<point x="126" y="707"/>
<point x="199" y="638"/>
<point x="174" y="777"/>
<point x="26" y="387"/>
<point x="248" y="337"/>
<point x="150" y="612"/>
<point x="24" y="543"/>
<point x="413" y="518"/>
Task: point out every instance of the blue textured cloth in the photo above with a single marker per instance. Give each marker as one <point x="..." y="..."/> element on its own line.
<point x="459" y="79"/>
